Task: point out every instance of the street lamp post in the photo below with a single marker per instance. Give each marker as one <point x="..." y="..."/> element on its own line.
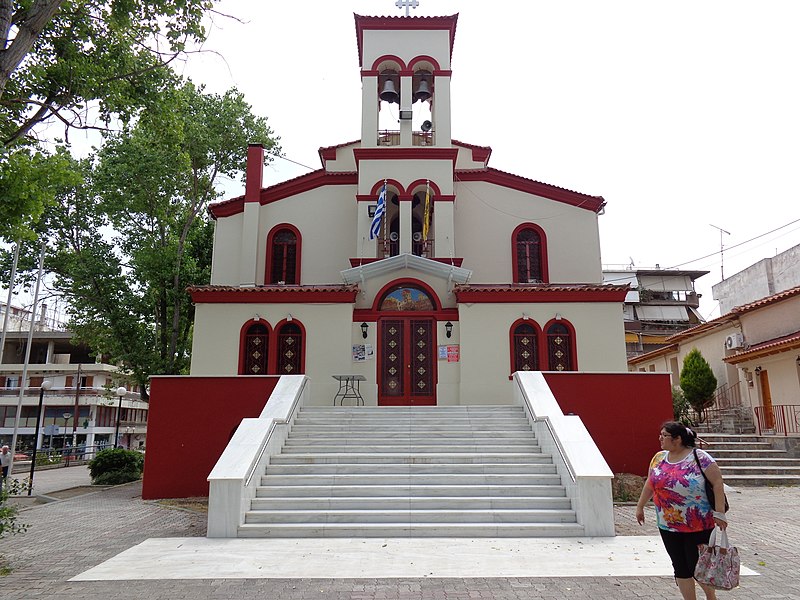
<point x="46" y="385"/>
<point x="120" y="391"/>
<point x="64" y="449"/>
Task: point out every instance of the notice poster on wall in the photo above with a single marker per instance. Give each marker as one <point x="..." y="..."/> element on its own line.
<point x="442" y="352"/>
<point x="362" y="352"/>
<point x="453" y="353"/>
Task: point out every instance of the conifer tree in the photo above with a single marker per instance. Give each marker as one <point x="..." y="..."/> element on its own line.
<point x="698" y="382"/>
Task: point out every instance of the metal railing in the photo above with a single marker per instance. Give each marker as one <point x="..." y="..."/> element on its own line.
<point x="391" y="137"/>
<point x="392" y="248"/>
<point x="52" y="458"/>
<point x="781" y="419"/>
<point x="728" y="396"/>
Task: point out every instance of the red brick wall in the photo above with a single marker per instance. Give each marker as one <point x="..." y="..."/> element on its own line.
<point x="191" y="421"/>
<point x="622" y="411"/>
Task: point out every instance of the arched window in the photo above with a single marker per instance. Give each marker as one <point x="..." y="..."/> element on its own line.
<point x="560" y="348"/>
<point x="290" y="349"/>
<point x="283" y="256"/>
<point x="524" y="341"/>
<point x="529" y="254"/>
<point x="255" y="350"/>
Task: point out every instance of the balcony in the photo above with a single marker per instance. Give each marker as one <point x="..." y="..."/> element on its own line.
<point x="389" y="248"/>
<point x="389" y="137"/>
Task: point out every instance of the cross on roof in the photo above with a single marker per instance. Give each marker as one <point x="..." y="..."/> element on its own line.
<point x="406" y="4"/>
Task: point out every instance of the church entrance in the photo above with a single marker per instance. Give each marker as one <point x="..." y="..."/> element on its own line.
<point x="407" y="361"/>
<point x="407" y="357"/>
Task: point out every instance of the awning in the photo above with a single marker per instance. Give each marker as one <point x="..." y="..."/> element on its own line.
<point x="662" y="313"/>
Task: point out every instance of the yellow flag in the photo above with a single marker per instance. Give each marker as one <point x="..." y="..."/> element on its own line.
<point x="427" y="216"/>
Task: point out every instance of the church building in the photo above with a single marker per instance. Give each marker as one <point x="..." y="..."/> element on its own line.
<point x="406" y="262"/>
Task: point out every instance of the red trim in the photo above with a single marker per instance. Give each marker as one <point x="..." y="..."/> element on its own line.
<point x="326" y="154"/>
<point x="408" y="282"/>
<point x="424" y="57"/>
<point x="401" y="64"/>
<point x="416" y="153"/>
<point x="298" y="248"/>
<point x="447" y="23"/>
<point x="390" y="183"/>
<point x="479" y="153"/>
<point x="292" y="187"/>
<point x="542" y="252"/>
<point x="369" y="315"/>
<point x="768" y="348"/>
<point x="355" y="262"/>
<point x="573" y="359"/>
<point x="243" y="334"/>
<point x="273" y="295"/>
<point x="274" y="348"/>
<point x="435" y="191"/>
<point x="529" y="186"/>
<point x="539" y="294"/>
<point x="539" y="336"/>
<point x="254" y="177"/>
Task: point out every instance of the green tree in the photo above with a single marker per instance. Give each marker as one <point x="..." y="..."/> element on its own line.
<point x="81" y="64"/>
<point x="136" y="233"/>
<point x="698" y="382"/>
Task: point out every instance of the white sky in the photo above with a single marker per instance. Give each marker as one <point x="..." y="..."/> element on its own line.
<point x="680" y="114"/>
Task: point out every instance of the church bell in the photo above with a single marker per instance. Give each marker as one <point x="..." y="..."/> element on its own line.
<point x="422" y="89"/>
<point x="388" y="91"/>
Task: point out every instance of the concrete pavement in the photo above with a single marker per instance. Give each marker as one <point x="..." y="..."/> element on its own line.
<point x="68" y="538"/>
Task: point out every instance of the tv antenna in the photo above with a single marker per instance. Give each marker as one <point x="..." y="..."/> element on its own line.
<point x="721" y="250"/>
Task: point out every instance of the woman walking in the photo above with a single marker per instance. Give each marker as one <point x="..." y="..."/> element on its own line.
<point x="684" y="516"/>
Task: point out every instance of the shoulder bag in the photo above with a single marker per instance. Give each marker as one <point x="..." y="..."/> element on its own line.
<point x="709" y="487"/>
<point x="718" y="565"/>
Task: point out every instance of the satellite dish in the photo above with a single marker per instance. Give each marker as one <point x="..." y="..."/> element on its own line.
<point x="426" y="126"/>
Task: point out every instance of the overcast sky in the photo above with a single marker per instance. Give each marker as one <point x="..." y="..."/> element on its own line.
<point x="682" y="115"/>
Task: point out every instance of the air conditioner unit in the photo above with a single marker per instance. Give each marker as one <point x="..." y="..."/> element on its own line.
<point x="733" y="341"/>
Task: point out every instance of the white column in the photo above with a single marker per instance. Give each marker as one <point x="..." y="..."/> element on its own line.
<point x="369" y="112"/>
<point x="405" y="124"/>
<point x="405" y="227"/>
<point x="441" y="112"/>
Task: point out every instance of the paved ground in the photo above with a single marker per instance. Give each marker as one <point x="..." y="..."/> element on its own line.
<point x="68" y="537"/>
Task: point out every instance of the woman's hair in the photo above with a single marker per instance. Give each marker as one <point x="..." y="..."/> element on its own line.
<point x="676" y="429"/>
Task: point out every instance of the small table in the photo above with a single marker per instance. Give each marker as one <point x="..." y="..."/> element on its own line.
<point x="349" y="388"/>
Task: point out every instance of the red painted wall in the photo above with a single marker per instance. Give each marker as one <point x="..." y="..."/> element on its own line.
<point x="622" y="411"/>
<point x="190" y="422"/>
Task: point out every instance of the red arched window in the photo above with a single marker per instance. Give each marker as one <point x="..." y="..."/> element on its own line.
<point x="529" y="247"/>
<point x="283" y="256"/>
<point x="290" y="349"/>
<point x="255" y="350"/>
<point x="525" y="351"/>
<point x="560" y="347"/>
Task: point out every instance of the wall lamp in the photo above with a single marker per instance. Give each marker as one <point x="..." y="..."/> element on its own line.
<point x="758" y="370"/>
<point x="797" y="361"/>
<point x="448" y="329"/>
<point x="371" y="208"/>
<point x="364" y="328"/>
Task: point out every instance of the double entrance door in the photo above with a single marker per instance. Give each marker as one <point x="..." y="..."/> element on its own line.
<point x="407" y="361"/>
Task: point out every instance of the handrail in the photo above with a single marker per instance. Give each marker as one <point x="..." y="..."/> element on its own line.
<point x="782" y="419"/>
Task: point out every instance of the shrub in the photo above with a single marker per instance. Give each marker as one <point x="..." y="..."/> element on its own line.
<point x="8" y="517"/>
<point x="116" y="465"/>
<point x="680" y="408"/>
<point x="698" y="382"/>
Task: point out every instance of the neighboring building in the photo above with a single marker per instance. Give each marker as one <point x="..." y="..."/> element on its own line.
<point x="81" y="387"/>
<point x="659" y="304"/>
<point x="475" y="273"/>
<point x="765" y="278"/>
<point x="754" y="351"/>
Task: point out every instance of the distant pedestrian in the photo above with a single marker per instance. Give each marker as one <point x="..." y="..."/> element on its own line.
<point x="5" y="461"/>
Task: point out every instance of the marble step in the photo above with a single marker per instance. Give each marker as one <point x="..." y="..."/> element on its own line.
<point x="738" y="445"/>
<point x="411" y="448"/>
<point x="415" y="427"/>
<point x="390" y="437"/>
<point x="744" y="453"/>
<point x="735" y="471"/>
<point x="460" y="530"/>
<point x="431" y="458"/>
<point x="353" y="479"/>
<point x="411" y="516"/>
<point x="411" y="468"/>
<point x="413" y="440"/>
<point x="414" y="503"/>
<point x="472" y="409"/>
<point x="405" y="490"/>
<point x="390" y="422"/>
<point x="758" y="461"/>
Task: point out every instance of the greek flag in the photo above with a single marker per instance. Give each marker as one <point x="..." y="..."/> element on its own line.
<point x="375" y="228"/>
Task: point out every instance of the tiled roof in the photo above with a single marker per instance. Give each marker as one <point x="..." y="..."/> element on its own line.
<point x="648" y="356"/>
<point x="308" y="289"/>
<point x="540" y="287"/>
<point x="774" y="346"/>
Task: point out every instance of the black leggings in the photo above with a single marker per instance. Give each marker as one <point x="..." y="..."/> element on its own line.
<point x="682" y="549"/>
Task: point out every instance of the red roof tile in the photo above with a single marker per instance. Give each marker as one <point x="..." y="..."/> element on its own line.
<point x="774" y="346"/>
<point x="779" y="297"/>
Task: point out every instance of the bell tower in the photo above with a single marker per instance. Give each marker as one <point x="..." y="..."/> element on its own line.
<point x="405" y="76"/>
<point x="406" y="143"/>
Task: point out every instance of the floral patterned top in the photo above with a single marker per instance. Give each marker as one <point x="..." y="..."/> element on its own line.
<point x="679" y="492"/>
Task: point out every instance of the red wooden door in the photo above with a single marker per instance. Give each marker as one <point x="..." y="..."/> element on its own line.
<point x="407" y="362"/>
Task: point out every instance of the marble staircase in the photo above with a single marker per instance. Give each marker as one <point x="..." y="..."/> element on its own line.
<point x="465" y="471"/>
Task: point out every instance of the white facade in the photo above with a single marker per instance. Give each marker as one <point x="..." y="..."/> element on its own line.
<point x="508" y="263"/>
